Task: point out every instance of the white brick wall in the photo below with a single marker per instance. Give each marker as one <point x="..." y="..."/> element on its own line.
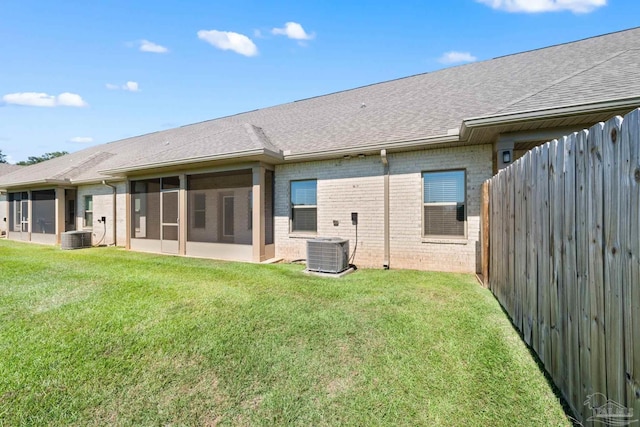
<point x="344" y="186"/>
<point x="356" y="185"/>
<point x="102" y="206"/>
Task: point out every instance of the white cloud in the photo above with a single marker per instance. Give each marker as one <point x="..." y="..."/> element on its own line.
<point x="81" y="139"/>
<point x="228" y="40"/>
<point x="293" y="30"/>
<point x="71" y="100"/>
<point x="128" y="86"/>
<point x="454" y="57"/>
<point x="538" y="6"/>
<point x="131" y="86"/>
<point x="147" y="46"/>
<point x="41" y="99"/>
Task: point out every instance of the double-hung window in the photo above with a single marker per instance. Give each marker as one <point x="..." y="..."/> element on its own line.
<point x="88" y="211"/>
<point x="304" y="209"/>
<point x="444" y="204"/>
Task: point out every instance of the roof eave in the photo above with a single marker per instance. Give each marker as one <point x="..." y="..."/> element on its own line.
<point x="37" y="182"/>
<point x="390" y="146"/>
<point x="191" y="160"/>
<point x="548" y="113"/>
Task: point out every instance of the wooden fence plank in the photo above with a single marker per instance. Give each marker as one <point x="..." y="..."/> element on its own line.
<point x="543" y="257"/>
<point x="527" y="319"/>
<point x="494" y="229"/>
<point x="532" y="260"/>
<point x="504" y="242"/>
<point x="613" y="262"/>
<point x="508" y="236"/>
<point x="484" y="214"/>
<point x="556" y="208"/>
<point x="570" y="302"/>
<point x="514" y="286"/>
<point x="582" y="269"/>
<point x="520" y="264"/>
<point x="495" y="185"/>
<point x="596" y="259"/>
<point x="631" y="140"/>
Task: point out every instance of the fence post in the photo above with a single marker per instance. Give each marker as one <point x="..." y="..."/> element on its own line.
<point x="484" y="232"/>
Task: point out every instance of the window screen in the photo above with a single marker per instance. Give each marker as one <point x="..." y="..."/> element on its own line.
<point x="43" y="206"/>
<point x="218" y="207"/>
<point x="199" y="210"/>
<point x="444" y="203"/>
<point x="19" y="212"/>
<point x="304" y="210"/>
<point x="145" y="209"/>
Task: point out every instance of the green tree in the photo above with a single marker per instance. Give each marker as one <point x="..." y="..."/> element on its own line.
<point x="3" y="157"/>
<point x="32" y="160"/>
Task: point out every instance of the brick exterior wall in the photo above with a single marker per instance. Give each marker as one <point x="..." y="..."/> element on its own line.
<point x="357" y="185"/>
<point x="102" y="206"/>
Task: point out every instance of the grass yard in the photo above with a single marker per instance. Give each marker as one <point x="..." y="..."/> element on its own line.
<point x="104" y="336"/>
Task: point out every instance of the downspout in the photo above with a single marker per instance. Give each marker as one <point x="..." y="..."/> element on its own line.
<point x="385" y="163"/>
<point x="113" y="203"/>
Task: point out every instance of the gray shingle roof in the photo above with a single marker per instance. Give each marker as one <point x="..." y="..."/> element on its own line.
<point x="421" y="106"/>
<point x="6" y="168"/>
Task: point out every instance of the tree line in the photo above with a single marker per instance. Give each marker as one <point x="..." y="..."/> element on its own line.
<point x="32" y="160"/>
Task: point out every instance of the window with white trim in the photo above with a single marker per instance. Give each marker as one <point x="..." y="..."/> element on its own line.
<point x="304" y="209"/>
<point x="88" y="211"/>
<point x="444" y="204"/>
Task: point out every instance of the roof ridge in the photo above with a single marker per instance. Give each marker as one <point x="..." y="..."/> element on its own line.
<point x="569" y="42"/>
<point x="98" y="157"/>
<point x="562" y="79"/>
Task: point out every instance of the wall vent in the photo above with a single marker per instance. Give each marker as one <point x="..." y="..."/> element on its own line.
<point x="75" y="240"/>
<point x="328" y="255"/>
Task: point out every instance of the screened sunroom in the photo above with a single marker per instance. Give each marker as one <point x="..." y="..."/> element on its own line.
<point x="222" y="214"/>
<point x="40" y="215"/>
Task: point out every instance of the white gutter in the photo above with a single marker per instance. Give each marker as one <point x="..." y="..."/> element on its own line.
<point x="396" y="145"/>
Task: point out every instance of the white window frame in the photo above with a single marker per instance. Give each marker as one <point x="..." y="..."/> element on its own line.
<point x="423" y="205"/>
<point x="86" y="211"/>
<point x="295" y="207"/>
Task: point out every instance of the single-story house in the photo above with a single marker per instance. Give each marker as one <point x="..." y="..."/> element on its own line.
<point x="5" y="168"/>
<point x="408" y="156"/>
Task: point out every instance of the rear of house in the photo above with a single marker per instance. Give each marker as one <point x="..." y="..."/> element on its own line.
<point x="406" y="156"/>
<point x="5" y="168"/>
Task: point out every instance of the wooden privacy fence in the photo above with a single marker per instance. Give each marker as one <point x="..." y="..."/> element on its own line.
<point x="564" y="259"/>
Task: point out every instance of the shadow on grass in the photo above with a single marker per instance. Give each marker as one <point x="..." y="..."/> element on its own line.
<point x="571" y="416"/>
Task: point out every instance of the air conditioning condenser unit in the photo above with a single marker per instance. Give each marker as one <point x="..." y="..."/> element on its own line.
<point x="328" y="255"/>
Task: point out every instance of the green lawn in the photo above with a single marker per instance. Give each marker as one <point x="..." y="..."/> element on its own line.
<point x="104" y="336"/>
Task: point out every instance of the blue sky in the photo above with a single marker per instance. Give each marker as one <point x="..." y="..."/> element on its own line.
<point x="77" y="73"/>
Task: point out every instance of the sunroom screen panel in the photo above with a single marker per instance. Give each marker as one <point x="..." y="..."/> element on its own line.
<point x="43" y="207"/>
<point x="219" y="207"/>
<point x="145" y="209"/>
